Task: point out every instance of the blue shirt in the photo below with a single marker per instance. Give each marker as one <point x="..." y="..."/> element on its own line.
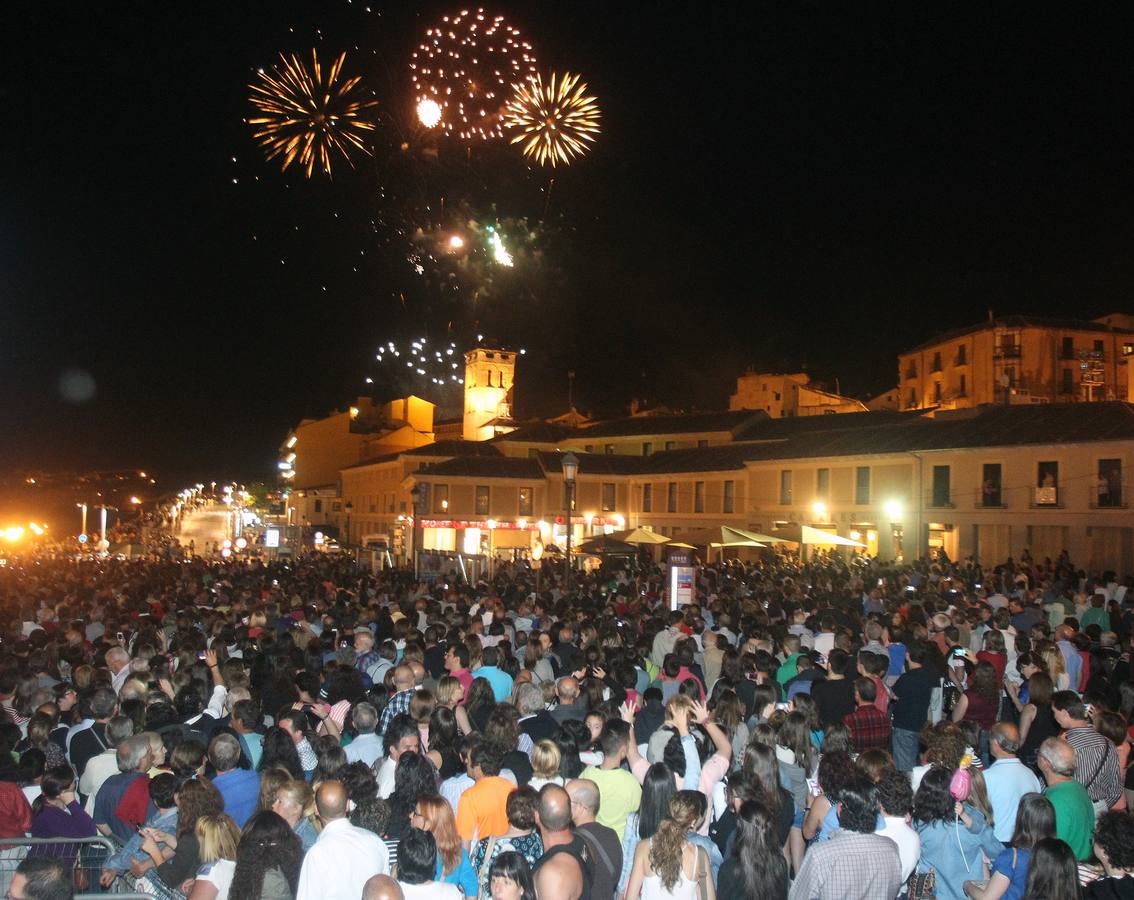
<point x="1017" y="876"/>
<point x="1007" y="780"/>
<point x="953" y="851"/>
<point x="500" y="680"/>
<point x="240" y="789"/>
<point x="464" y="876"/>
<point x="107" y="800"/>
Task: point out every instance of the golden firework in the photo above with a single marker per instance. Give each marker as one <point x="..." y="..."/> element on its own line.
<point x="464" y="67"/>
<point x="557" y="121"/>
<point x="309" y="114"/>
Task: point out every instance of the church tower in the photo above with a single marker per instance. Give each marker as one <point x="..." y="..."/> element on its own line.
<point x="489" y="378"/>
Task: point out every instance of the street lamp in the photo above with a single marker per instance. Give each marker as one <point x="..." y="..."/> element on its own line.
<point x="418" y="495"/>
<point x="570" y="472"/>
<point x="348" y="508"/>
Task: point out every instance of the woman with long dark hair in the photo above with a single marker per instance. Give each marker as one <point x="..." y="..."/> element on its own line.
<point x="510" y="878"/>
<point x="57" y="813"/>
<point x="479" y="703"/>
<point x="757" y="866"/>
<point x="279" y="750"/>
<point x="1035" y="820"/>
<point x="980" y="703"/>
<point x="1037" y="718"/>
<point x="443" y="736"/>
<point x="1053" y="873"/>
<point x="657" y="790"/>
<point x="953" y="835"/>
<point x="267" y="860"/>
<point x="414" y="778"/>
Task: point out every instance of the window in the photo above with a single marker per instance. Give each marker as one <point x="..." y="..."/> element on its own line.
<point x="1067" y="386"/>
<point x="937" y="392"/>
<point x="671" y="497"/>
<point x="911" y="369"/>
<point x="785" y="487"/>
<point x="318" y="506"/>
<point x="911" y="401"/>
<point x="1068" y="349"/>
<point x="671" y="445"/>
<point x="862" y="485"/>
<point x="482" y="499"/>
<point x="962" y="354"/>
<point x="936" y="362"/>
<point x="525" y="501"/>
<point x="991" y="493"/>
<point x="647" y="498"/>
<point x="608" y="497"/>
<point x="608" y="449"/>
<point x="698" y="496"/>
<point x="440" y="498"/>
<point x="1100" y="347"/>
<point x="1047" y="483"/>
<point x="703" y="443"/>
<point x="728" y="500"/>
<point x="962" y="386"/>
<point x="941" y="485"/>
<point x="822" y="483"/>
<point x="647" y="448"/>
<point x="1109" y="489"/>
<point x="588" y="448"/>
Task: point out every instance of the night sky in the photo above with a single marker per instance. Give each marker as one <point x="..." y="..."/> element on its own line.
<point x="797" y="185"/>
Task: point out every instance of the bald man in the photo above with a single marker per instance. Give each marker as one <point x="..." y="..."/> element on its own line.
<point x="382" y="887"/>
<point x="562" y="872"/>
<point x="570" y="705"/>
<point x="603" y="842"/>
<point x="343" y="858"/>
<point x="1007" y="779"/>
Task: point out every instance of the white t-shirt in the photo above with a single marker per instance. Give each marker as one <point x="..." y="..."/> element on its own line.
<point x="218" y="873"/>
<point x="431" y="890"/>
<point x="908" y="841"/>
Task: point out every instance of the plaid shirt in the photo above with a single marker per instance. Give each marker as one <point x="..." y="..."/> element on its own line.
<point x="850" y="866"/>
<point x="869" y="728"/>
<point x="399" y="703"/>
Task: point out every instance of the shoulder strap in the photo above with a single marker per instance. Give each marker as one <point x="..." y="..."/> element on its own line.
<point x="487" y="859"/>
<point x="596" y="845"/>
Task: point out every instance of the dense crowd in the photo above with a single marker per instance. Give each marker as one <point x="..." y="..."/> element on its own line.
<point x="302" y="729"/>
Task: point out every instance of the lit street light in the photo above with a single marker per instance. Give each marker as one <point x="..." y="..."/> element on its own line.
<point x="570" y="472"/>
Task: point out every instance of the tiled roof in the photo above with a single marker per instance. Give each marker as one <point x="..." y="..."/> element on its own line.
<point x="455" y="448"/>
<point x="537" y="433"/>
<point x="1019" y="322"/>
<point x="694" y="423"/>
<point x="484" y="467"/>
<point x="778" y="429"/>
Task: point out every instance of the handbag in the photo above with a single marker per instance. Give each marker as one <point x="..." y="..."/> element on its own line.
<point x="922" y="886"/>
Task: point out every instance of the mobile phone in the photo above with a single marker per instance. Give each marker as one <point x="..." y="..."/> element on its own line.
<point x="782" y="705"/>
<point x="121" y="637"/>
<point x="813" y="786"/>
<point x="200" y="654"/>
<point x="977" y="586"/>
<point x="957" y="652"/>
<point x="343" y="645"/>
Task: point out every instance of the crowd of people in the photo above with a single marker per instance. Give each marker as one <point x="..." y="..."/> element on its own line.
<point x="302" y="729"/>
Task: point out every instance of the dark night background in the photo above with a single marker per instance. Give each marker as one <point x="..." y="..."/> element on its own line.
<point x="776" y="185"/>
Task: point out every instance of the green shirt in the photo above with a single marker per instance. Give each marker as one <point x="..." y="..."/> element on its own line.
<point x="789" y="669"/>
<point x="619" y="795"/>
<point x="1074" y="816"/>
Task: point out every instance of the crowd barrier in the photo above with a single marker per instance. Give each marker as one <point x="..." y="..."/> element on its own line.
<point x="83" y="857"/>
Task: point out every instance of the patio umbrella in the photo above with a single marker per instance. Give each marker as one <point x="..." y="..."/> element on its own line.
<point x="605" y="545"/>
<point x="639" y="536"/>
<point x="805" y="534"/>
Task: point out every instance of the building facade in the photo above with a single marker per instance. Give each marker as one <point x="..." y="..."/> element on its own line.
<point x="1019" y="360"/>
<point x="788" y="395"/>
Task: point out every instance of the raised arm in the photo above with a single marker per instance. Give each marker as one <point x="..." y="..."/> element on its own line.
<point x="720" y="739"/>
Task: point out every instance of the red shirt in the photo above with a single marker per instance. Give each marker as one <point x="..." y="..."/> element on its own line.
<point x="998" y="661"/>
<point x="870" y="729"/>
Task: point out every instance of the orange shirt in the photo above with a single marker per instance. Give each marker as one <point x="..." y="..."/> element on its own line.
<point x="482" y="811"/>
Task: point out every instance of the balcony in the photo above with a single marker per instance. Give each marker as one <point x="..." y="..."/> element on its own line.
<point x="940" y="501"/>
<point x="960" y="360"/>
<point x="935" y="366"/>
<point x="990" y="499"/>
<point x="1113" y="500"/>
<point x="1046" y="497"/>
<point x="911" y="372"/>
<point x="1007" y="351"/>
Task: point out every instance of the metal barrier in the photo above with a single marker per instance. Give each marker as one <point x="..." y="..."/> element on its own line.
<point x="85" y="857"/>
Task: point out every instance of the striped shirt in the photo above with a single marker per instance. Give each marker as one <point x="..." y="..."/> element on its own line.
<point x="1096" y="764"/>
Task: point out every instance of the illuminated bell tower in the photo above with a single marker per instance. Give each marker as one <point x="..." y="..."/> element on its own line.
<point x="489" y="376"/>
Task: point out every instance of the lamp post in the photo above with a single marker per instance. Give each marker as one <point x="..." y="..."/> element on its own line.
<point x="83" y="507"/>
<point x="348" y="508"/>
<point x="418" y="496"/>
<point x="570" y="472"/>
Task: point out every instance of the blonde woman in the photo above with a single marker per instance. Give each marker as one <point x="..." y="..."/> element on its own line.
<point x="450" y="694"/>
<point x="217" y="837"/>
<point x="295" y="804"/>
<point x="668" y="866"/>
<point x="1053" y="662"/>
<point x="546" y="760"/>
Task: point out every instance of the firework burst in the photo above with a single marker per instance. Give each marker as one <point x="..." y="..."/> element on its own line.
<point x="309" y="114"/>
<point x="465" y="66"/>
<point x="556" y="121"/>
